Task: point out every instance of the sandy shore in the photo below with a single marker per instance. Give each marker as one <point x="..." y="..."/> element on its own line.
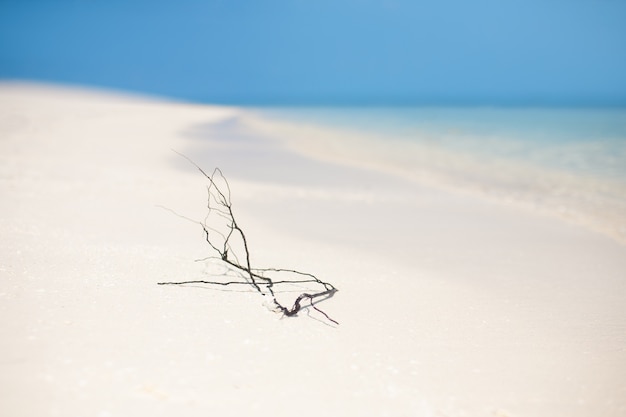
<point x="449" y="305"/>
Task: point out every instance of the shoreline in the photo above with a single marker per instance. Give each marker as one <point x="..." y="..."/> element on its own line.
<point x="448" y="304"/>
<point x="598" y="204"/>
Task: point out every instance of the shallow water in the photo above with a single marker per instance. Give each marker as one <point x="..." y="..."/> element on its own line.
<point x="578" y="140"/>
<point x="567" y="162"/>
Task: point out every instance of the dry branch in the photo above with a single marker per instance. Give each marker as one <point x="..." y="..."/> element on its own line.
<point x="229" y="244"/>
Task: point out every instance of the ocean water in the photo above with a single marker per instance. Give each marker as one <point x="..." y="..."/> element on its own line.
<point x="578" y="140"/>
<point x="567" y="162"/>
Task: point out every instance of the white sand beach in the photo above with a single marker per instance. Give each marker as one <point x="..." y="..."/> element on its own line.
<point x="449" y="304"/>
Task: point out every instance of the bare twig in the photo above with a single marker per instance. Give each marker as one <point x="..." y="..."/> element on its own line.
<point x="228" y="241"/>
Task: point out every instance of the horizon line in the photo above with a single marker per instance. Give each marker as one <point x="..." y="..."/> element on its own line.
<point x="340" y="100"/>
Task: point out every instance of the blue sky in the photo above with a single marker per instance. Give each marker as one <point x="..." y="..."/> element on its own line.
<point x="325" y="52"/>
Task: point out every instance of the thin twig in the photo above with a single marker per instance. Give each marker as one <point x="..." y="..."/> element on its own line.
<point x="222" y="243"/>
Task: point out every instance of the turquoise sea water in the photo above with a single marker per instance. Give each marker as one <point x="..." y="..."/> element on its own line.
<point x="579" y="140"/>
<point x="566" y="162"/>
